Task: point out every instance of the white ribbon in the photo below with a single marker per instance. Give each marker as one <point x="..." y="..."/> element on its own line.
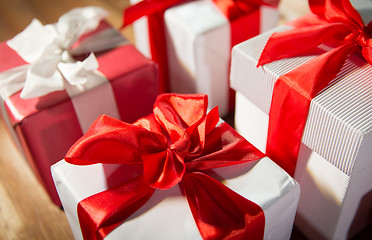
<point x="46" y="49"/>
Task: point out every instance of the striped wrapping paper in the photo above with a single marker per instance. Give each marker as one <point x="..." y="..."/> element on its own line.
<point x="334" y="158"/>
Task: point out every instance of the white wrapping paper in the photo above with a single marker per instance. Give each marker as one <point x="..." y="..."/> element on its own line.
<point x="334" y="165"/>
<point x="198" y="46"/>
<point x="167" y="214"/>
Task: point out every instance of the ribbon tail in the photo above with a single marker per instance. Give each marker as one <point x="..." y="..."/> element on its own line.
<point x="219" y="212"/>
<point x="291" y="99"/>
<point x="101" y="213"/>
<point x="173" y="113"/>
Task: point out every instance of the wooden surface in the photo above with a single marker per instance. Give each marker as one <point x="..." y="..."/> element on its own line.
<point x="25" y="210"/>
<point x="15" y="15"/>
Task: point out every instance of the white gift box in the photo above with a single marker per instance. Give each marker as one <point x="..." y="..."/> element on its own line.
<point x="261" y="181"/>
<point x="199" y="47"/>
<point x="334" y="163"/>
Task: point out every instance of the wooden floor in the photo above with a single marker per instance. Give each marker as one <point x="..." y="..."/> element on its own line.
<point x="25" y="210"/>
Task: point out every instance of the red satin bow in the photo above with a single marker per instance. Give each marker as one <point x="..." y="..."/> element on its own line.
<point x="154" y="10"/>
<point x="335" y="23"/>
<point x="174" y="145"/>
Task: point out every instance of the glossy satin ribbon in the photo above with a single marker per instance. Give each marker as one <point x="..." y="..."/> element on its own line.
<point x="154" y="10"/>
<point x="334" y="23"/>
<point x="175" y="145"/>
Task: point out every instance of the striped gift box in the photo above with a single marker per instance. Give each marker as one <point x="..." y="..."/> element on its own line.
<point x="333" y="166"/>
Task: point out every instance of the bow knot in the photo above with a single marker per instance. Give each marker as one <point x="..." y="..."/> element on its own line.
<point x="364" y="38"/>
<point x="181" y="146"/>
<point x="48" y="56"/>
<point x="66" y="57"/>
<point x="165" y="169"/>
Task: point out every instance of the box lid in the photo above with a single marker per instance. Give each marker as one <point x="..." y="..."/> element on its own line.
<point x="339" y="117"/>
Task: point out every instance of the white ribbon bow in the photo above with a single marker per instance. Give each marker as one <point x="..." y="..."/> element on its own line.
<point x="46" y="49"/>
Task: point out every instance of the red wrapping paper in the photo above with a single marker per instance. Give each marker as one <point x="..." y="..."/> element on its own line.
<point x="47" y="126"/>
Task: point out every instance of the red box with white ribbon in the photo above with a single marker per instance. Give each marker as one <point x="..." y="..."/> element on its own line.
<point x="54" y="88"/>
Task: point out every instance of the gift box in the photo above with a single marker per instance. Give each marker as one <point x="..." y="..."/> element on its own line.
<point x="54" y="109"/>
<point x="199" y="38"/>
<point x="333" y="161"/>
<point x="220" y="157"/>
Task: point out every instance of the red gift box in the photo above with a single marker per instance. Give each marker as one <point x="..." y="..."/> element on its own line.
<point x="46" y="126"/>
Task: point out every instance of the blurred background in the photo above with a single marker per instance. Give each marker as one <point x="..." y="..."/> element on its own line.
<point x="15" y="15"/>
<point x="25" y="210"/>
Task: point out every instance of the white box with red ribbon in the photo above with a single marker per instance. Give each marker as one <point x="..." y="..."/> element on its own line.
<point x="199" y="38"/>
<point x="333" y="166"/>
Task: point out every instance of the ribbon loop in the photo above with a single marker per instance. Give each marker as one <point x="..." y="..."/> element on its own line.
<point x="43" y="77"/>
<point x="35" y="42"/>
<point x="77" y="22"/>
<point x="46" y="49"/>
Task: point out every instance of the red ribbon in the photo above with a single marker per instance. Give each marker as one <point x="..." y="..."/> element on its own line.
<point x="175" y="145"/>
<point x="154" y="10"/>
<point x="335" y="23"/>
